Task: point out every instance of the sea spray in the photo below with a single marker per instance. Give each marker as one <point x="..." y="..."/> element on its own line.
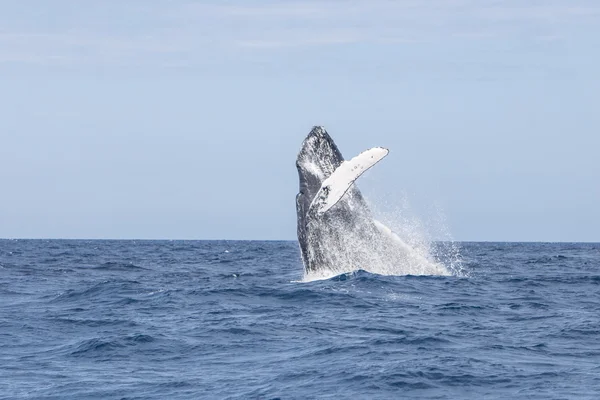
<point x="427" y="235"/>
<point x="378" y="249"/>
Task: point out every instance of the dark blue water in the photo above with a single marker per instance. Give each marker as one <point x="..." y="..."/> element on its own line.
<point x="187" y="319"/>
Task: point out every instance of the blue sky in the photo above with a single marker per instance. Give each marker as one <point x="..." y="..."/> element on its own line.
<point x="182" y="119"/>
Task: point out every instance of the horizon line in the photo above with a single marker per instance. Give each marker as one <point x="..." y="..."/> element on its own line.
<point x="281" y="240"/>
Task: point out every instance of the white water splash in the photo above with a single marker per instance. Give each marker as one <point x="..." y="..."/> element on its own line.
<point x="400" y="245"/>
<point x="447" y="249"/>
<point x="428" y="236"/>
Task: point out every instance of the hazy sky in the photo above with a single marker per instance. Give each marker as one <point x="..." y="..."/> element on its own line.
<point x="183" y="119"/>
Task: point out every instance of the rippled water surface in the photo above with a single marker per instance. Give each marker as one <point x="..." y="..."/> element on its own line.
<point x="226" y="319"/>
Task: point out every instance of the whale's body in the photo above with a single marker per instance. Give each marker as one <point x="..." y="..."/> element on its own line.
<point x="336" y="230"/>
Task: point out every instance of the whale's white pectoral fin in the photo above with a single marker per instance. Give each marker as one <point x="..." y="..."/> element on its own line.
<point x="338" y="183"/>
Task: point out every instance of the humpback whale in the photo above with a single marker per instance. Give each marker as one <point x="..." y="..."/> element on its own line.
<point x="336" y="230"/>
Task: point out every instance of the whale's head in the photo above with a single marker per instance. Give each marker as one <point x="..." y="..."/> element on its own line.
<point x="318" y="158"/>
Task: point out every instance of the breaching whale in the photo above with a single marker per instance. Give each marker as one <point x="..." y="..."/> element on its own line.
<point x="336" y="230"/>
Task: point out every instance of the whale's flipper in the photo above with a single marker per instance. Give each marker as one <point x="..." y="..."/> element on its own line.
<point x="337" y="184"/>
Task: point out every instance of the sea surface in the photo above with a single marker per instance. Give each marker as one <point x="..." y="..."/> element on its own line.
<point x="235" y="320"/>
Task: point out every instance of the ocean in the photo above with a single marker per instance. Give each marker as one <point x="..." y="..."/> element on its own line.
<point x="131" y="319"/>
